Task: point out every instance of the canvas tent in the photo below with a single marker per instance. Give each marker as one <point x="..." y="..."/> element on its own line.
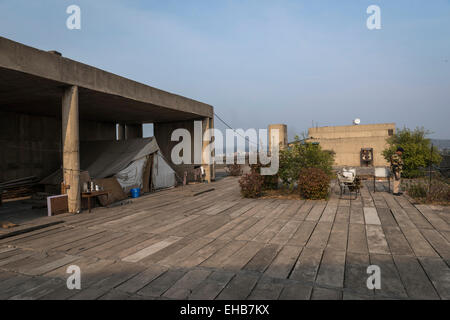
<point x="134" y="163"/>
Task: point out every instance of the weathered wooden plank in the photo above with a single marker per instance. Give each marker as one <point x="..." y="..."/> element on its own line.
<point x="202" y="254"/>
<point x="179" y="256"/>
<point x="238" y="260"/>
<point x="376" y="240"/>
<point x="416" y="282"/>
<point x="391" y="283"/>
<point x="420" y="246"/>
<point x="371" y="216"/>
<point x="329" y="212"/>
<point x="320" y="235"/>
<point x="305" y="270"/>
<point x="326" y="294"/>
<point x="433" y="218"/>
<point x="304" y="210"/>
<point x="342" y="214"/>
<point x="386" y="217"/>
<point x="142" y="279"/>
<point x="284" y="262"/>
<point x="439" y="274"/>
<point x="144" y="253"/>
<point x="286" y="233"/>
<point x="263" y="258"/>
<point x="270" y="231"/>
<point x="38" y="291"/>
<point x="184" y="286"/>
<point x="438" y="242"/>
<point x="52" y="265"/>
<point x="338" y="236"/>
<point x="296" y="291"/>
<point x="316" y="212"/>
<point x="357" y="240"/>
<point x="355" y="279"/>
<point x="210" y="288"/>
<point x="332" y="269"/>
<point x="239" y="287"/>
<point x="161" y="284"/>
<point x="222" y="255"/>
<point x="303" y="233"/>
<point x="21" y="286"/>
<point x="267" y="289"/>
<point x="397" y="241"/>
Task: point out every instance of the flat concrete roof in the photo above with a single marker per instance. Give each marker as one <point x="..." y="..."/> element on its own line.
<point x="32" y="81"/>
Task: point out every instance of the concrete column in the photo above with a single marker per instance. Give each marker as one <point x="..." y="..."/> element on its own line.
<point x="71" y="147"/>
<point x="206" y="158"/>
<point x="120" y="131"/>
<point x="213" y="166"/>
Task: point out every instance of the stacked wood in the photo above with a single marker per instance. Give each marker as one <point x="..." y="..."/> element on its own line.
<point x="18" y="188"/>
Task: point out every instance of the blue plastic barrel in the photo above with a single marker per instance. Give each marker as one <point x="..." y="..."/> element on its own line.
<point x="136" y="192"/>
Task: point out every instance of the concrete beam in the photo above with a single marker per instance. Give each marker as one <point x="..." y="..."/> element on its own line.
<point x="71" y="148"/>
<point x="59" y="70"/>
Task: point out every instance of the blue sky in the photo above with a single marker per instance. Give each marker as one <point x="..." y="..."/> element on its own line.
<point x="260" y="62"/>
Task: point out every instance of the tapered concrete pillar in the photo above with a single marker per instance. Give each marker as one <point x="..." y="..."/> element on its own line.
<point x="120" y="131"/>
<point x="71" y="147"/>
<point x="207" y="158"/>
<point x="213" y="166"/>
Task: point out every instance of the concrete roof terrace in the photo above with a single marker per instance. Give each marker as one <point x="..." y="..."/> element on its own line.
<point x="32" y="81"/>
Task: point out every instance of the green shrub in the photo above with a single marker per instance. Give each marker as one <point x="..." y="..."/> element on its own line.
<point x="234" y="170"/>
<point x="313" y="183"/>
<point x="270" y="182"/>
<point x="251" y="185"/>
<point x="303" y="155"/>
<point x="417" y="151"/>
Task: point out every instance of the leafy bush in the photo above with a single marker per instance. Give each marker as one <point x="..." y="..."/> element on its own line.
<point x="313" y="183"/>
<point x="417" y="150"/>
<point x="234" y="170"/>
<point x="251" y="185"/>
<point x="270" y="182"/>
<point x="303" y="155"/>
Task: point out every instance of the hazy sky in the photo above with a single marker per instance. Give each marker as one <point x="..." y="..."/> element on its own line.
<point x="260" y="62"/>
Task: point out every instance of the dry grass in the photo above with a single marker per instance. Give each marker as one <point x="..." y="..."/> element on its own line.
<point x="282" y="194"/>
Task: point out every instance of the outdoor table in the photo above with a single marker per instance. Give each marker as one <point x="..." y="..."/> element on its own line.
<point x="90" y="195"/>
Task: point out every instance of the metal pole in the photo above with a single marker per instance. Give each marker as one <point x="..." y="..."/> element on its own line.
<point x="431" y="157"/>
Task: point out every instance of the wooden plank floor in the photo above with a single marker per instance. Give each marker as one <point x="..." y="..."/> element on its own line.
<point x="170" y="245"/>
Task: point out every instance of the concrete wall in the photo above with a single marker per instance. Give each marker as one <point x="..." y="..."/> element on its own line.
<point x="31" y="145"/>
<point x="133" y="131"/>
<point x="163" y="133"/>
<point x="347" y="141"/>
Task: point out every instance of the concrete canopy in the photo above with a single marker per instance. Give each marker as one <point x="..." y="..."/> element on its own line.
<point x="32" y="81"/>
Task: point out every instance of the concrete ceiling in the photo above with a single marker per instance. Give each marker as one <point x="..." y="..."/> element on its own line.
<point x="26" y="86"/>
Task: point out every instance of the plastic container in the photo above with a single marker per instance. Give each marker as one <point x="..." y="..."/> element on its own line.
<point x="135" y="193"/>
